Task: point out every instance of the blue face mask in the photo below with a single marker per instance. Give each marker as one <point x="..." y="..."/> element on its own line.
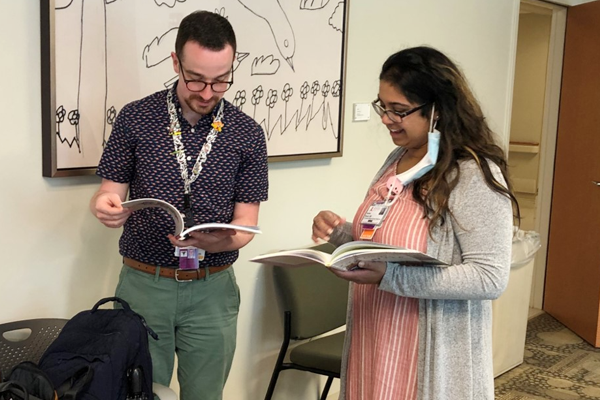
<point x="428" y="161"/>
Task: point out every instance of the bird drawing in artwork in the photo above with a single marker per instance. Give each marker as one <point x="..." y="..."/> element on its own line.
<point x="274" y="15"/>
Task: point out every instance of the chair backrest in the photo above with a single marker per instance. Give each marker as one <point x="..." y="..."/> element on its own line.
<point x="316" y="298"/>
<point x="26" y="340"/>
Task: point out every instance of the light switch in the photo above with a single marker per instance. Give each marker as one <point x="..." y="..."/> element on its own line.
<point x="361" y="112"/>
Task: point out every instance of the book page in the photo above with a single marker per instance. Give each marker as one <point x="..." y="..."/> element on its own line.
<point x="211" y="226"/>
<point x="398" y="255"/>
<point x="294" y="258"/>
<point x="139" y="204"/>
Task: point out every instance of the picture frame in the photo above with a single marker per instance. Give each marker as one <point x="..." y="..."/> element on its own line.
<point x="98" y="56"/>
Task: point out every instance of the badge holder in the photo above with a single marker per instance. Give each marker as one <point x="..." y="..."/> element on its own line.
<point x="377" y="212"/>
<point x="189" y="257"/>
<point x="373" y="219"/>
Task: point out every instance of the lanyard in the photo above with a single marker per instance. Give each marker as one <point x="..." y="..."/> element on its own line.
<point x="175" y="132"/>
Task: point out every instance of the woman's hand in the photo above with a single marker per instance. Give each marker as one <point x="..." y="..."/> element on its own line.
<point x="323" y="225"/>
<point x="364" y="272"/>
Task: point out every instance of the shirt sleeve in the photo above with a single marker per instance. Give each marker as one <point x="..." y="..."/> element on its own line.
<point x="117" y="161"/>
<point x="252" y="180"/>
<point x="482" y="230"/>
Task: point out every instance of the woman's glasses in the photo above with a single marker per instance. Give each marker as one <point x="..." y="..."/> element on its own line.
<point x="393" y="115"/>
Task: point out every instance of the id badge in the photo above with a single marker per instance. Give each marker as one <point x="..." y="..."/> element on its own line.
<point x="375" y="214"/>
<point x="189" y="257"/>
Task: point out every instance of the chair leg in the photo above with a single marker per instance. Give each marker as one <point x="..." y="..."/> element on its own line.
<point x="273" y="382"/>
<point x="284" y="346"/>
<point x="326" y="388"/>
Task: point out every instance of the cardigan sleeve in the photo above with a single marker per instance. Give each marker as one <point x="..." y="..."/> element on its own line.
<point x="481" y="226"/>
<point x="341" y="234"/>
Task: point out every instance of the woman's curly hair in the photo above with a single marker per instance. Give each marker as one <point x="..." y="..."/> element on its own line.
<point x="426" y="76"/>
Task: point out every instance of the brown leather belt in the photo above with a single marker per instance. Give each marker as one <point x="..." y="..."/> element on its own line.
<point x="180" y="275"/>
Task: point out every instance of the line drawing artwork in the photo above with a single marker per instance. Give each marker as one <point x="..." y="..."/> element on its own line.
<point x="265" y="65"/>
<point x="283" y="121"/>
<point x="168" y="3"/>
<point x="62" y="4"/>
<point x="278" y="22"/>
<point x="336" y="21"/>
<point x="313" y="4"/>
<point x="91" y="67"/>
<point x="110" y="53"/>
<point x="239" y="57"/>
<point x="159" y="49"/>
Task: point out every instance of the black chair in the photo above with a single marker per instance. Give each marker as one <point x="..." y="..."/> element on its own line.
<point x="314" y="303"/>
<point x="26" y="341"/>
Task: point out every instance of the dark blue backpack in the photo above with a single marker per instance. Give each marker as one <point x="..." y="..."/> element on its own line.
<point x="112" y="342"/>
<point x="26" y="381"/>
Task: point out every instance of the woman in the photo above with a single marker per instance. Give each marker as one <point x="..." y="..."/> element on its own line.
<point x="425" y="332"/>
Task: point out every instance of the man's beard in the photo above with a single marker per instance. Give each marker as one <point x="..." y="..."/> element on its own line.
<point x="201" y="109"/>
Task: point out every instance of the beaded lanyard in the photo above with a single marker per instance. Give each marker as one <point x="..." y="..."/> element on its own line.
<point x="175" y="132"/>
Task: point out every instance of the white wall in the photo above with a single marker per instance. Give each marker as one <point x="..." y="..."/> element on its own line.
<point x="58" y="260"/>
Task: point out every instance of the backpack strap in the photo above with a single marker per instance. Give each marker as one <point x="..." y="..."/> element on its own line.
<point x="123" y="303"/>
<point x="14" y="388"/>
<point x="72" y="386"/>
<point x="128" y="309"/>
<point x="148" y="329"/>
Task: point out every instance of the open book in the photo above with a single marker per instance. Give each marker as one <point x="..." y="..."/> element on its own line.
<point x="348" y="255"/>
<point x="180" y="232"/>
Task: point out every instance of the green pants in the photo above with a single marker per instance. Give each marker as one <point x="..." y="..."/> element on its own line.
<point x="197" y="320"/>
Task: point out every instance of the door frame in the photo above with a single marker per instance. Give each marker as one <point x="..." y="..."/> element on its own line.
<point x="547" y="142"/>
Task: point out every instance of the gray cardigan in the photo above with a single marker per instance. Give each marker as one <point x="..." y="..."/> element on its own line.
<point x="455" y="308"/>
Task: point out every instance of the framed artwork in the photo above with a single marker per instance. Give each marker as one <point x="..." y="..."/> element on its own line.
<point x="98" y="55"/>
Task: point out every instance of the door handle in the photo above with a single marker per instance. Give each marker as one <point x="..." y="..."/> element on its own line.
<point x="596" y="183"/>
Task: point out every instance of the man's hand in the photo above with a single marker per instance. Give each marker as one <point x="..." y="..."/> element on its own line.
<point x="323" y="225"/>
<point x="106" y="203"/>
<point x="106" y="206"/>
<point x="214" y="241"/>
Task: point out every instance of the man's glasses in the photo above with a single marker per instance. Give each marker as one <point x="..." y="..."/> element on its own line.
<point x="196" y="85"/>
<point x="393" y="115"/>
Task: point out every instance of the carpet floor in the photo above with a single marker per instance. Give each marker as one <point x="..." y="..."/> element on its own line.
<point x="558" y="365"/>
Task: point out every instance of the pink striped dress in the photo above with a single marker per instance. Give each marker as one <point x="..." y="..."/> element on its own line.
<point x="382" y="363"/>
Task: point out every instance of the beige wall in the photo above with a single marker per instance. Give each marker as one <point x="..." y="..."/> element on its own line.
<point x="528" y="110"/>
<point x="58" y="260"/>
<point x="530" y="77"/>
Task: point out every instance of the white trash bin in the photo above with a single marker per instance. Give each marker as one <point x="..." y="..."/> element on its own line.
<point x="510" y="311"/>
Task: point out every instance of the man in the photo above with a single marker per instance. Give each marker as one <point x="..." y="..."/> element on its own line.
<point x="190" y="147"/>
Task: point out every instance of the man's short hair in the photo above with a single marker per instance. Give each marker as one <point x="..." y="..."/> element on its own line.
<point x="208" y="29"/>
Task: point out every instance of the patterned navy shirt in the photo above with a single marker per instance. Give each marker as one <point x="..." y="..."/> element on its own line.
<point x="139" y="152"/>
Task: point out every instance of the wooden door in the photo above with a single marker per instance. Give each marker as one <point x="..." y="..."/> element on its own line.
<point x="572" y="290"/>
